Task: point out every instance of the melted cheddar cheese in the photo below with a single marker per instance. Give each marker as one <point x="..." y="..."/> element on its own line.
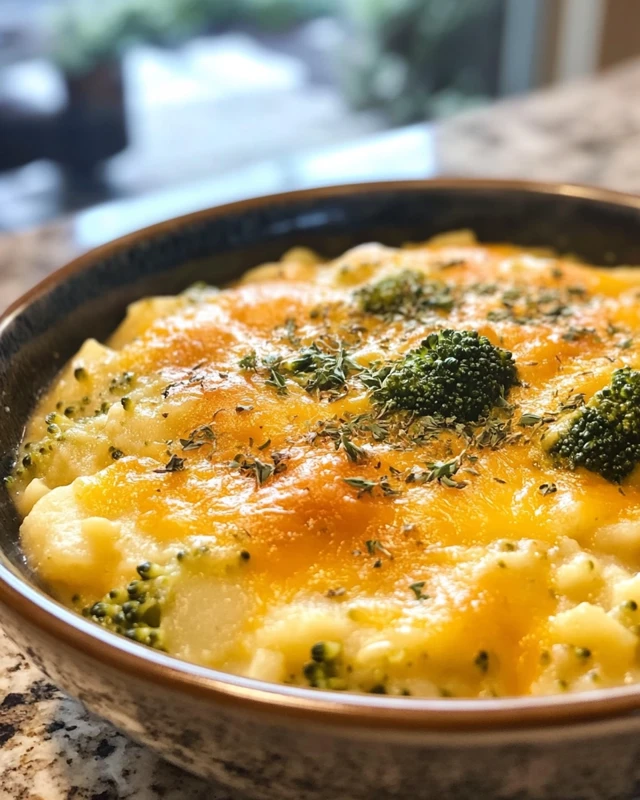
<point x="508" y="574"/>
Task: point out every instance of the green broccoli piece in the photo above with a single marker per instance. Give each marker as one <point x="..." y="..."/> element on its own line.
<point x="604" y="435"/>
<point x="405" y="294"/>
<point x="456" y="374"/>
<point x="325" y="668"/>
<point x="136" y="611"/>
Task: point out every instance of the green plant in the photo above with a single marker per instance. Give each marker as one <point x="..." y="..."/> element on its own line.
<point x="402" y="55"/>
<point x="86" y="34"/>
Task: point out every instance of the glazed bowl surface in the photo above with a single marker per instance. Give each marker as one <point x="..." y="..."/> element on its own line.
<point x="282" y="742"/>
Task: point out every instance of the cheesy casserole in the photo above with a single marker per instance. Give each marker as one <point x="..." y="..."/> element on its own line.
<point x="407" y="471"/>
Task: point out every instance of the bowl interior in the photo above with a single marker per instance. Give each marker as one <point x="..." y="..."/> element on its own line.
<point x="216" y="246"/>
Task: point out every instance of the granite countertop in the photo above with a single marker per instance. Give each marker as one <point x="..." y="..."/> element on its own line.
<point x="588" y="132"/>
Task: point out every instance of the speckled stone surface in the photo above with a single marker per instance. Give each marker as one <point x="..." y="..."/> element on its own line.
<point x="584" y="132"/>
<point x="28" y="257"/>
<point x="50" y="747"/>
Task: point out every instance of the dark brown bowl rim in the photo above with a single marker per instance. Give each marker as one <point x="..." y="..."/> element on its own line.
<point x="395" y="714"/>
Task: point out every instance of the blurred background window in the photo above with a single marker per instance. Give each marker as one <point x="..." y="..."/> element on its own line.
<point x="106" y="99"/>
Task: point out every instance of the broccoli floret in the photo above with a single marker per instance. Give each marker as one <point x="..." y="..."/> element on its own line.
<point x="406" y="294"/>
<point x="604" y="435"/>
<point x="452" y="374"/>
<point x="324" y="669"/>
<point x="136" y="611"/>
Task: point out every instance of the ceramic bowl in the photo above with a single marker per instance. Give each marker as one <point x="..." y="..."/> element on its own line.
<point x="275" y="742"/>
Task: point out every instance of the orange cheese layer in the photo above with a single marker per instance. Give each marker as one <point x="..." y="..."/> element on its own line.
<point x="489" y="557"/>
